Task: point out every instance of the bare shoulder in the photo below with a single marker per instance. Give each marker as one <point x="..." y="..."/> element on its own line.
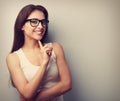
<point x="57" y="47"/>
<point x="12" y="58"/>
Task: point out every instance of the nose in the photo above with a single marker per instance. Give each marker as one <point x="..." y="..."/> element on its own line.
<point x="40" y="25"/>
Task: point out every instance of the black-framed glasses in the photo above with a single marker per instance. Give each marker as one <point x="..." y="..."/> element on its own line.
<point x="35" y="22"/>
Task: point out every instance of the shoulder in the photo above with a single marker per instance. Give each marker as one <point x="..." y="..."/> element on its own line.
<point x="11" y="55"/>
<point x="12" y="58"/>
<point x="57" y="48"/>
<point x="56" y="45"/>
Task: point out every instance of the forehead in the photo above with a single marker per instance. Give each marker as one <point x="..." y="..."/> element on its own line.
<point x="36" y="14"/>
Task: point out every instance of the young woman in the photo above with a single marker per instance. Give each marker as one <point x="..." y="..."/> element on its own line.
<point x="38" y="70"/>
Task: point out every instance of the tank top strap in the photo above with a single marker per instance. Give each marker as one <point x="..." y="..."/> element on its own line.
<point x="20" y="54"/>
<point x="22" y="57"/>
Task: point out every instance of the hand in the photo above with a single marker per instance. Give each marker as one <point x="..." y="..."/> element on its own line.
<point x="46" y="52"/>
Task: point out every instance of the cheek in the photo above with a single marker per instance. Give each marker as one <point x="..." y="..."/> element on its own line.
<point x="27" y="29"/>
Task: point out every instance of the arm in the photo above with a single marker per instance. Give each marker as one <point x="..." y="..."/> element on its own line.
<point x="64" y="84"/>
<point x="26" y="89"/>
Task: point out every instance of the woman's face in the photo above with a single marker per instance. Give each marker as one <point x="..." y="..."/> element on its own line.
<point x="34" y="28"/>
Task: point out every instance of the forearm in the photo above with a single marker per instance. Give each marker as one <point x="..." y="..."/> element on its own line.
<point x="31" y="87"/>
<point x="52" y="92"/>
<point x="36" y="81"/>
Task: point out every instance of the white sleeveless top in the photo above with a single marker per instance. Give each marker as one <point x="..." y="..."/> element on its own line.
<point x="51" y="76"/>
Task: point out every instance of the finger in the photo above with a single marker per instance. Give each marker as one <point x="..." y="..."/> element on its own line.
<point x="48" y="49"/>
<point x="49" y="52"/>
<point x="40" y="43"/>
<point x="47" y="46"/>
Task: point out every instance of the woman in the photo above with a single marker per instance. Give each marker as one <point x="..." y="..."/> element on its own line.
<point x="38" y="70"/>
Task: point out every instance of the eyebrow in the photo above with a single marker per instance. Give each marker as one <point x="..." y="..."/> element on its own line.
<point x="36" y="18"/>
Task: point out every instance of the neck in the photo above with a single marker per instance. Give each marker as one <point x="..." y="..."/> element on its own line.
<point x="31" y="44"/>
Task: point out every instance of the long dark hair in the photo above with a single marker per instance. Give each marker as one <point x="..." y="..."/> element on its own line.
<point x="20" y="21"/>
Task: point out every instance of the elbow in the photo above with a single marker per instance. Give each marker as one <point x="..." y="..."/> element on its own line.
<point x="24" y="97"/>
<point x="27" y="95"/>
<point x="67" y="86"/>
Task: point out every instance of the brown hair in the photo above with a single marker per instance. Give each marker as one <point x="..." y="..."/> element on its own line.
<point x="20" y="21"/>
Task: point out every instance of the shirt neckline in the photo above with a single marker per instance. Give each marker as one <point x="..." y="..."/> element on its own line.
<point x="27" y="59"/>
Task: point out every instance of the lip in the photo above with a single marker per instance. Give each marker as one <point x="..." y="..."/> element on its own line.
<point x="39" y="31"/>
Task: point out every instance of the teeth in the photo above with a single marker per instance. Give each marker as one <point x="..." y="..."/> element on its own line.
<point x="39" y="32"/>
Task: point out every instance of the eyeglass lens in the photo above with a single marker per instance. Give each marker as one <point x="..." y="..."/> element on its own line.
<point x="35" y="22"/>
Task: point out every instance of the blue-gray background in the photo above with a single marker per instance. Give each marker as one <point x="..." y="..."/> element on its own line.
<point x="89" y="31"/>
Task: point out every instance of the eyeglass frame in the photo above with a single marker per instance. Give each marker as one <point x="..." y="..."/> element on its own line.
<point x="43" y="22"/>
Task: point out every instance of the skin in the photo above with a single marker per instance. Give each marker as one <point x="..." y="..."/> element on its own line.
<point x="39" y="55"/>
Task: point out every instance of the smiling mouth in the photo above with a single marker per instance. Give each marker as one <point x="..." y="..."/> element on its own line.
<point x="39" y="32"/>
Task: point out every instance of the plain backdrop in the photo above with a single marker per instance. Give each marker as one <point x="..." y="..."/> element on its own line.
<point x="89" y="31"/>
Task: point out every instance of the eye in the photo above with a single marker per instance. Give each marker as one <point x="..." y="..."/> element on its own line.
<point x="33" y="21"/>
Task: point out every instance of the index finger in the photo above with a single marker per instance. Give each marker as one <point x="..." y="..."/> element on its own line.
<point x="40" y="43"/>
